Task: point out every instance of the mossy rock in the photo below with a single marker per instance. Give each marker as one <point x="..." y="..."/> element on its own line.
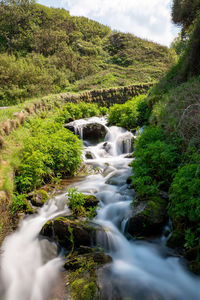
<point x="84" y="289"/>
<point x="38" y="198"/>
<point x="194" y="266"/>
<point x="99" y="258"/>
<point x="148" y="217"/>
<point x="177" y="239"/>
<point x="90" y="201"/>
<point x="193" y="254"/>
<point x="69" y="233"/>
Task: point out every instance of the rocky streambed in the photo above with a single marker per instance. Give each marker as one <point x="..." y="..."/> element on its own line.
<point x="98" y="258"/>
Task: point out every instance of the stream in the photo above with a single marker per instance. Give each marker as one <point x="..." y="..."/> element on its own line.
<point x="140" y="270"/>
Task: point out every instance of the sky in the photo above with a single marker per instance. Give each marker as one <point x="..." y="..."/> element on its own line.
<point x="149" y="19"/>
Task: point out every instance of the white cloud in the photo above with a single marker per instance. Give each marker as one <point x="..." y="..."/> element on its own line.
<point x="149" y="19"/>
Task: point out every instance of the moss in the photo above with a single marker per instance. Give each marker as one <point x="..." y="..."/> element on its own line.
<point x="177" y="239"/>
<point x="83" y="290"/>
<point x="195" y="267"/>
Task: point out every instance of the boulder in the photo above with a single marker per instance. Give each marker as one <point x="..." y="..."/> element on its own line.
<point x="94" y="131"/>
<point x="89" y="155"/>
<point x="177" y="239"/>
<point x="38" y="198"/>
<point x="90" y="131"/>
<point x="107" y="146"/>
<point x="69" y="233"/>
<point x="90" y="201"/>
<point x="99" y="258"/>
<point x="107" y="170"/>
<point x="148" y="217"/>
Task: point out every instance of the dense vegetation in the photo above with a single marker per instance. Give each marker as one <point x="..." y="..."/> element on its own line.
<point x="131" y="114"/>
<point x="45" y="50"/>
<point x="39" y="152"/>
<point x="167" y="152"/>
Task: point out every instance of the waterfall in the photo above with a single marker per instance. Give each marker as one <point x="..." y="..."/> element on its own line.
<point x="140" y="270"/>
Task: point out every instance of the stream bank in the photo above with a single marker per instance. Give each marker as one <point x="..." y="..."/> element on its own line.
<point x="139" y="269"/>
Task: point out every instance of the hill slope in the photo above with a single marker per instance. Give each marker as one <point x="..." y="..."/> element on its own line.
<point x="45" y="50"/>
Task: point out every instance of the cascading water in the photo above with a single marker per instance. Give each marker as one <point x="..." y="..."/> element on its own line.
<point x="139" y="271"/>
<point x="25" y="273"/>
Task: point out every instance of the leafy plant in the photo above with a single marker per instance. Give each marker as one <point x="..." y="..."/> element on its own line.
<point x="50" y="151"/>
<point x="131" y="114"/>
<point x="20" y="204"/>
<point x="76" y="201"/>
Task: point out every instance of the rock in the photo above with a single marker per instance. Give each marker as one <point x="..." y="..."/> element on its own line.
<point x="69" y="233"/>
<point x="148" y="217"/>
<point x="130" y="155"/>
<point x="177" y="239"/>
<point x="192" y="254"/>
<point x="195" y="267"/>
<point x="164" y="195"/>
<point x="125" y="142"/>
<point x="90" y="131"/>
<point x="70" y="126"/>
<point x="107" y="170"/>
<point x="129" y="180"/>
<point x="38" y="198"/>
<point x="99" y="258"/>
<point x="107" y="146"/>
<point x="90" y="201"/>
<point x="89" y="155"/>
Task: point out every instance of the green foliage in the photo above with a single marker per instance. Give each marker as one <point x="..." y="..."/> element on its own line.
<point x="103" y="110"/>
<point x="154" y="164"/>
<point x="131" y="114"/>
<point x="50" y="150"/>
<point x="76" y="201"/>
<point x="185" y="202"/>
<point x="179" y="44"/>
<point x="185" y="193"/>
<point x="45" y="50"/>
<point x="71" y="237"/>
<point x="20" y="204"/>
<point x="73" y="111"/>
<point x="184" y="11"/>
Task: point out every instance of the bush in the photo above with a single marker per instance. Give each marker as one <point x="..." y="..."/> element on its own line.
<point x="76" y="201"/>
<point x="185" y="202"/>
<point x="50" y="150"/>
<point x="154" y="164"/>
<point x="131" y="114"/>
<point x="103" y="110"/>
<point x="73" y="111"/>
<point x="149" y="135"/>
<point x="185" y="193"/>
<point x="20" y="204"/>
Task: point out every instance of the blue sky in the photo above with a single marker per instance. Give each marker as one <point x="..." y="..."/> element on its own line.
<point x="150" y="19"/>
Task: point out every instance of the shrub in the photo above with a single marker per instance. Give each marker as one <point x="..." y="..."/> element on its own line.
<point x="73" y="111"/>
<point x="20" y="204"/>
<point x="103" y="110"/>
<point x="131" y="114"/>
<point x="185" y="193"/>
<point x="88" y="109"/>
<point x="155" y="162"/>
<point x="149" y="135"/>
<point x="76" y="201"/>
<point x="49" y="151"/>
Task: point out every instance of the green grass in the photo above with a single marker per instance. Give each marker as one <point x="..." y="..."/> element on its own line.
<point x="74" y="54"/>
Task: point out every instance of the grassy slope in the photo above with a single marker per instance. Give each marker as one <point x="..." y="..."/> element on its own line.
<point x="50" y="52"/>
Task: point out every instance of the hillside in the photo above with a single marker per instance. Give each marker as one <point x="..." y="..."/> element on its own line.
<point x="45" y="50"/>
<point x="172" y="141"/>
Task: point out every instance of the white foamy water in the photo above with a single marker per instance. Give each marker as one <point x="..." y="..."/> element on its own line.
<point x="24" y="273"/>
<point x="139" y="271"/>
